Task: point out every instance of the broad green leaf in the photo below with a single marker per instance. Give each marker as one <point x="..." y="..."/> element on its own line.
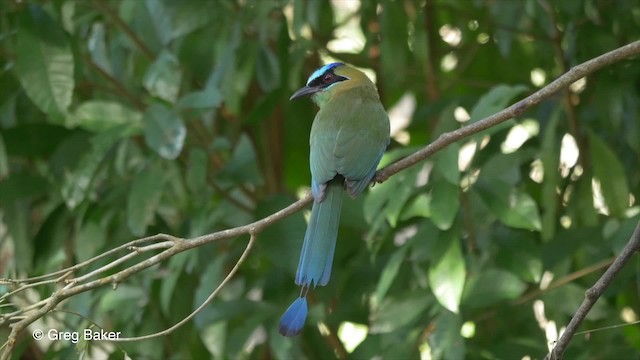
<point x="243" y="166"/>
<point x="176" y="265"/>
<point x="98" y="47"/>
<point x="209" y="280"/>
<point x="608" y="169"/>
<point x="121" y="298"/>
<point x="620" y="237"/>
<point x="77" y="182"/>
<point x="209" y="98"/>
<point x="395" y="313"/>
<point x="447" y="275"/>
<point x="391" y="197"/>
<point x="160" y="19"/>
<point x="515" y="209"/>
<point x="99" y="115"/>
<point x="390" y="272"/>
<point x="44" y="62"/>
<point x="567" y="298"/>
<point x="214" y="337"/>
<point x="399" y="196"/>
<point x="16" y="219"/>
<point x="491" y="286"/>
<point x="91" y="238"/>
<point x="143" y="199"/>
<point x="420" y="206"/>
<point x="267" y="69"/>
<point x="495" y="100"/>
<point x="445" y="202"/>
<point x="446" y="341"/>
<point x="446" y="163"/>
<point x="582" y="203"/>
<point x="174" y="19"/>
<point x="164" y="131"/>
<point x="163" y="77"/>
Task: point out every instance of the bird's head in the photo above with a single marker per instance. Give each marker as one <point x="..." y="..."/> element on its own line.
<point x="333" y="79"/>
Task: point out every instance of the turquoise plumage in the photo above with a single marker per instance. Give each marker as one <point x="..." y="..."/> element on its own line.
<point x="348" y="137"/>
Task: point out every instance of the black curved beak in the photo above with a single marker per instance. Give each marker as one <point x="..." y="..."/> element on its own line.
<point x="305" y="91"/>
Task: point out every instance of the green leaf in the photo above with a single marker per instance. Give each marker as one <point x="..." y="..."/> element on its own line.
<point x="44" y="62"/>
<point x="567" y="298"/>
<point x="143" y="199"/>
<point x="121" y="299"/>
<point x="267" y="69"/>
<point x="395" y="313"/>
<point x="446" y="341"/>
<point x="420" y="206"/>
<point x="176" y="265"/>
<point x="77" y="183"/>
<point x="608" y="169"/>
<point x="390" y="272"/>
<point x="446" y="163"/>
<point x="164" y="131"/>
<point x="391" y="196"/>
<point x="163" y="77"/>
<point x="99" y="115"/>
<point x="209" y="281"/>
<point x="447" y="274"/>
<point x="209" y="98"/>
<point x="243" y="166"/>
<point x="495" y="100"/>
<point x="445" y="203"/>
<point x="515" y="209"/>
<point x="490" y="287"/>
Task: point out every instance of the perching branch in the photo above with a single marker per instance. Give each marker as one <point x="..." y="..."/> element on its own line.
<point x="593" y="294"/>
<point x="171" y="245"/>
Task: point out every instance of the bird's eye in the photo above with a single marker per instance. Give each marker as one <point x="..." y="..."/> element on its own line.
<point x="328" y="77"/>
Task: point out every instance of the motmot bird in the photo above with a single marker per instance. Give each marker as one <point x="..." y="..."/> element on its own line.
<point x="348" y="137"/>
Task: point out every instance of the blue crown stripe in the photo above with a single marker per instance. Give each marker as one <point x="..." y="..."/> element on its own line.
<point x="316" y="74"/>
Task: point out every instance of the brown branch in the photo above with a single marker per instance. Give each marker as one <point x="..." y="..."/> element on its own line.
<point x="593" y="294"/>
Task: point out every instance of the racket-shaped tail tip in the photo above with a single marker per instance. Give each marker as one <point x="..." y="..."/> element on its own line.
<point x="292" y="321"/>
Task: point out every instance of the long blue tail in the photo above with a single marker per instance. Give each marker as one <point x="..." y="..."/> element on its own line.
<point x="316" y="257"/>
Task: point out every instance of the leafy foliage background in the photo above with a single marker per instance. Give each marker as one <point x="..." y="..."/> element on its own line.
<point x="120" y="119"/>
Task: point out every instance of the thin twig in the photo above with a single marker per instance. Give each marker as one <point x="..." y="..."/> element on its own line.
<point x="593" y="294"/>
<point x="209" y="299"/>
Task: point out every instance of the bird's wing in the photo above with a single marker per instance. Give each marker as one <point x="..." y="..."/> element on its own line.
<point x="359" y="148"/>
<point x="347" y="139"/>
